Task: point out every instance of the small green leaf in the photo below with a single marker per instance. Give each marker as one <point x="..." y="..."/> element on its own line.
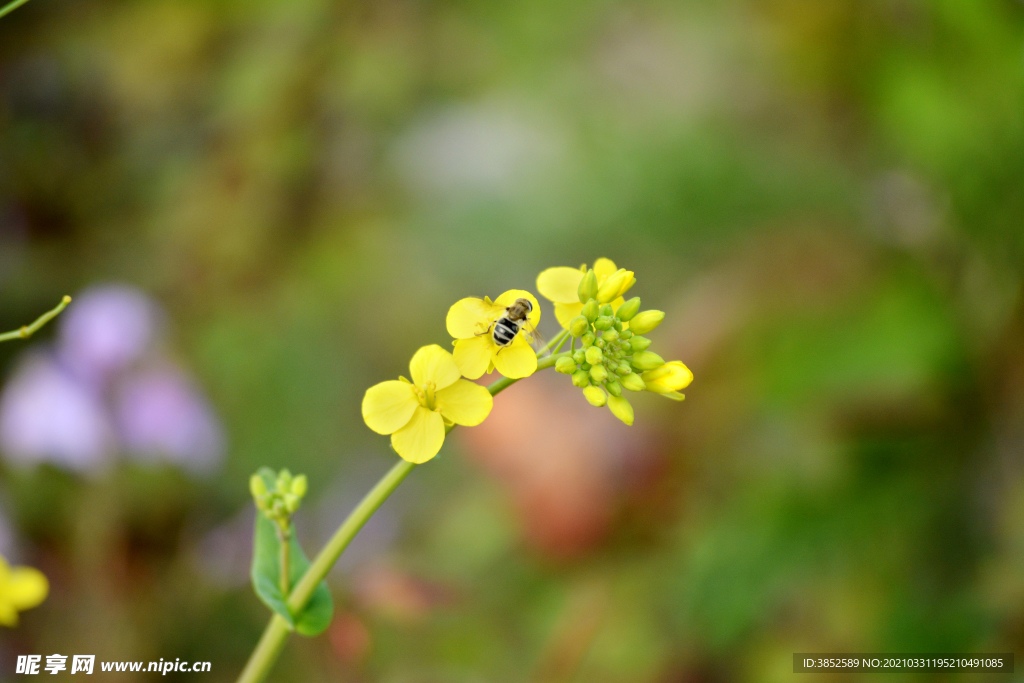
<point x="266" y="579"/>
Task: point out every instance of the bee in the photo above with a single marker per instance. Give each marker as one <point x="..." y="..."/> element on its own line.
<point x="517" y="317"/>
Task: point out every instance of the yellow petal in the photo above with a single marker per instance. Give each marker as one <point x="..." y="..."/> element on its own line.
<point x="468" y="317"/>
<point x="604" y="267"/>
<point x="670" y="377"/>
<point x="657" y="373"/>
<point x="560" y="284"/>
<point x="388" y="406"/>
<point x="628" y="285"/>
<point x="509" y="297"/>
<point x="465" y="403"/>
<point x="473" y="355"/>
<point x="566" y="312"/>
<point x="8" y="615"/>
<point x="26" y="588"/>
<point x="680" y="377"/>
<point x="612" y="285"/>
<point x="433" y="364"/>
<point x="421" y="439"/>
<point x="517" y="360"/>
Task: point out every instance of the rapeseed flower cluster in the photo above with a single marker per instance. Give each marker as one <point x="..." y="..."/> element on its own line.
<point x="613" y="355"/>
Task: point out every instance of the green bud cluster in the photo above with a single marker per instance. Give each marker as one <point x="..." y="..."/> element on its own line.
<point x="613" y="354"/>
<point x="280" y="500"/>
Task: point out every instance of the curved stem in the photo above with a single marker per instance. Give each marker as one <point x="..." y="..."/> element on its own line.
<point x="11" y="6"/>
<point x="274" y="636"/>
<point x="28" y="330"/>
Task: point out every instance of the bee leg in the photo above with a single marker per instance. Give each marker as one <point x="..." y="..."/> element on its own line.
<point x="487" y="331"/>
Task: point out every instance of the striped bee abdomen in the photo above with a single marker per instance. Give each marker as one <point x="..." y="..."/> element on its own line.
<point x="505" y="331"/>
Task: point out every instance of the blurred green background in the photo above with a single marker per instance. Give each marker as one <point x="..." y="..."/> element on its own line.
<point x="826" y="197"/>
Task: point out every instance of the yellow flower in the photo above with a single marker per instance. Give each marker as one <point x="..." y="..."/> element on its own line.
<point x="21" y="588"/>
<point x="668" y="379"/>
<point x="475" y="351"/>
<point x="561" y="285"/>
<point x="416" y="413"/>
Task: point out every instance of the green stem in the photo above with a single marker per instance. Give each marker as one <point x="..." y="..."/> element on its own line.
<point x="284" y="535"/>
<point x="11" y="6"/>
<point x="274" y="636"/>
<point x="28" y="330"/>
<point x="267" y="651"/>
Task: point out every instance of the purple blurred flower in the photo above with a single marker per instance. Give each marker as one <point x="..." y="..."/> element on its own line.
<point x="46" y="415"/>
<point x="161" y="415"/>
<point x="108" y="388"/>
<point x="106" y="330"/>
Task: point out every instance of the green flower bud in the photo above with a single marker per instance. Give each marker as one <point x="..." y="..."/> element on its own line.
<point x="598" y="373"/>
<point x="588" y="287"/>
<point x="590" y="311"/>
<point x="646" y="321"/>
<point x="291" y="502"/>
<point x="610" y="335"/>
<point x="279" y="509"/>
<point x="639" y="343"/>
<point x="633" y="382"/>
<point x="617" y="325"/>
<point x="621" y="409"/>
<point x="257" y="487"/>
<point x="587" y="339"/>
<point x="629" y="309"/>
<point x="614" y="388"/>
<point x="625" y="334"/>
<point x="300" y="485"/>
<point x="607" y="311"/>
<point x="579" y="356"/>
<point x="581" y="378"/>
<point x="600" y="343"/>
<point x="603" y="323"/>
<point x="565" y="365"/>
<point x="578" y="326"/>
<point x="624" y="368"/>
<point x="647" y="360"/>
<point x="595" y="395"/>
<point x="613" y="285"/>
<point x="284" y="481"/>
<point x="594" y="355"/>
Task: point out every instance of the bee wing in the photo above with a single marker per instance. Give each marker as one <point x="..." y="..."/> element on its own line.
<point x="535" y="338"/>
